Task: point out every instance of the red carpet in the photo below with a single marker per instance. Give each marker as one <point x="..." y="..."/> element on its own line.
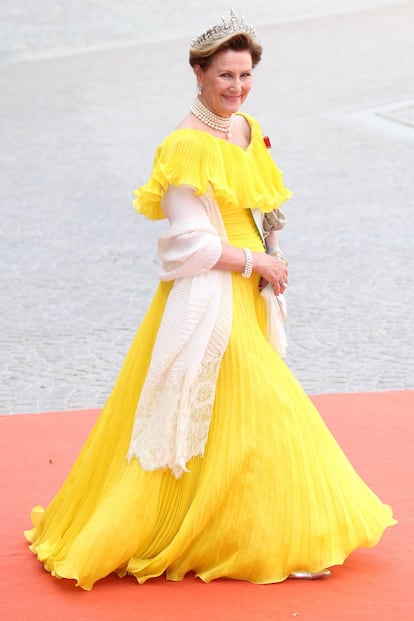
<point x="376" y="431"/>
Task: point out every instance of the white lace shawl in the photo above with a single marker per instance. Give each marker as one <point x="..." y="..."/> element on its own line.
<point x="173" y="415"/>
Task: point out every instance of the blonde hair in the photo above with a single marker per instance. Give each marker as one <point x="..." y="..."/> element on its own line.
<point x="238" y="42"/>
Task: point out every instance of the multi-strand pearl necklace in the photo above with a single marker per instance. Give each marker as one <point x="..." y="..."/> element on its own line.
<point x="220" y="123"/>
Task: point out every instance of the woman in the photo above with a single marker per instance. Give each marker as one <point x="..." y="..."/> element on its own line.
<point x="208" y="456"/>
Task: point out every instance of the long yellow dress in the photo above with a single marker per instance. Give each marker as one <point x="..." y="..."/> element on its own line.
<point x="272" y="494"/>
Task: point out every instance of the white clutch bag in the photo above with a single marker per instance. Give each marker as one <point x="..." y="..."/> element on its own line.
<point x="276" y="311"/>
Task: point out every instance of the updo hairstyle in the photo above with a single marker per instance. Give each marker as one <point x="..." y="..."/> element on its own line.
<point x="238" y="42"/>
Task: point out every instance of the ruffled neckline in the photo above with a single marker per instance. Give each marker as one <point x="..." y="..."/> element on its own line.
<point x="243" y="177"/>
<point x="252" y="125"/>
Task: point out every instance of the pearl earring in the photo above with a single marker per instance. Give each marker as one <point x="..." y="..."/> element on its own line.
<point x="200" y="87"/>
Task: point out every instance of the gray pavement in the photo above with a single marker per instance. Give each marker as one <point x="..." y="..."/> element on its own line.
<point x="78" y="132"/>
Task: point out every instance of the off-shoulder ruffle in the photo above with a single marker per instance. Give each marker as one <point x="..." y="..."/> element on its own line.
<point x="247" y="178"/>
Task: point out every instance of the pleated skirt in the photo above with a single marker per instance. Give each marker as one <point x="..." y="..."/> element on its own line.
<point x="273" y="493"/>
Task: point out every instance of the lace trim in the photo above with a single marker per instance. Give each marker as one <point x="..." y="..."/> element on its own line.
<point x="169" y="441"/>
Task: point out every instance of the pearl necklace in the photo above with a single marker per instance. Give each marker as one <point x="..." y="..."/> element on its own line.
<point x="219" y="123"/>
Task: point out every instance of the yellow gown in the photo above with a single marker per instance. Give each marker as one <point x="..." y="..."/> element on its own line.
<point x="272" y="494"/>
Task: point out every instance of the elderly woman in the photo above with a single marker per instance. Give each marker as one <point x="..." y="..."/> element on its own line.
<point x="208" y="456"/>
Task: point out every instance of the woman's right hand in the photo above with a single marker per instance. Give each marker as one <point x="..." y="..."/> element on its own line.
<point x="272" y="270"/>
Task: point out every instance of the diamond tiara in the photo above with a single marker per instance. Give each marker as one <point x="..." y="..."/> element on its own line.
<point x="233" y="26"/>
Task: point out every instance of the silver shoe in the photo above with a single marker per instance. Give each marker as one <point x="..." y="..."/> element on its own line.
<point x="309" y="575"/>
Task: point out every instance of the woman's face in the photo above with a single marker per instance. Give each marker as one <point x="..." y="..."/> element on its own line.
<point x="227" y="82"/>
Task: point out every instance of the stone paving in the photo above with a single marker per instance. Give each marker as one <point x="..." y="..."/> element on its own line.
<point x="78" y="266"/>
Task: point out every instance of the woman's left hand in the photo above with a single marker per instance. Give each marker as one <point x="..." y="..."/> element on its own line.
<point x="263" y="282"/>
<point x="271" y="269"/>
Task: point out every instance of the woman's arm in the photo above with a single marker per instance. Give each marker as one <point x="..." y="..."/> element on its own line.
<point x="180" y="203"/>
<point x="272" y="242"/>
<point x="273" y="270"/>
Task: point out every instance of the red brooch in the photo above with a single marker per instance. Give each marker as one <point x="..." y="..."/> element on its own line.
<point x="267" y="142"/>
